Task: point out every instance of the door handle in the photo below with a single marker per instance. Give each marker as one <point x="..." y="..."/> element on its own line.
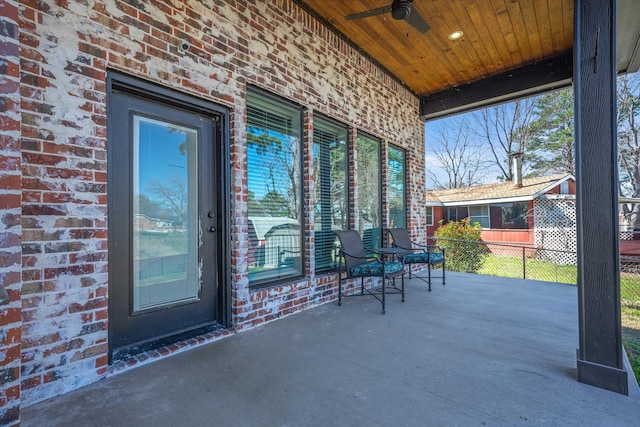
<point x="212" y="229"/>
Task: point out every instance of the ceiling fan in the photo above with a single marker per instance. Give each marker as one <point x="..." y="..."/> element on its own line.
<point x="400" y="9"/>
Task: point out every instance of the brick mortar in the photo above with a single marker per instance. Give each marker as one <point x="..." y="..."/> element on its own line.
<point x="10" y="217"/>
<point x="66" y="52"/>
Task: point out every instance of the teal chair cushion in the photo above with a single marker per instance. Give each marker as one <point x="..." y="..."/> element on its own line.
<point x="423" y="258"/>
<point x="416" y="258"/>
<point x="435" y="258"/>
<point x="374" y="268"/>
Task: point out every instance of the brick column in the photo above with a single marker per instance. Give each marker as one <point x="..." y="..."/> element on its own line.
<point x="10" y="229"/>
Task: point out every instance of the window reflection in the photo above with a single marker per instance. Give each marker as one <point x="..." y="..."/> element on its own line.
<point x="331" y="202"/>
<point x="396" y="188"/>
<point x="274" y="190"/>
<point x="368" y="187"/>
<point x="165" y="217"/>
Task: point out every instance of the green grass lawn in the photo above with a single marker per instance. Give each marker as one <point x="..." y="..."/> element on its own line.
<point x="159" y="245"/>
<point x="550" y="272"/>
<point x="632" y="348"/>
<point x="535" y="269"/>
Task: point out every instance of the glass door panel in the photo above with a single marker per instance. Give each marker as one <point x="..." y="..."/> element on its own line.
<point x="165" y="214"/>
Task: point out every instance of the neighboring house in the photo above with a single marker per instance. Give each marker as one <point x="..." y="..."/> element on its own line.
<point x="629" y="232"/>
<point x="146" y="224"/>
<point x="504" y="210"/>
<point x="540" y="213"/>
<point x="628" y="213"/>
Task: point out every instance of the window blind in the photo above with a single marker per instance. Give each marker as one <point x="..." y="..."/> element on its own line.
<point x="274" y="178"/>
<point x="331" y="195"/>
<point x="396" y="188"/>
<point x="369" y="209"/>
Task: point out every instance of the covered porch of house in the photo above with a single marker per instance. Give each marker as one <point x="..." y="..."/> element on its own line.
<point x="479" y="351"/>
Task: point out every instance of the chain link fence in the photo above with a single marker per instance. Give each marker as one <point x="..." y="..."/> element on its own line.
<point x="630" y="281"/>
<point x="527" y="262"/>
<point x="554" y="265"/>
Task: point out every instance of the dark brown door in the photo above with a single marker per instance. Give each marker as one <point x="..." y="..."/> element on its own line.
<point x="162" y="222"/>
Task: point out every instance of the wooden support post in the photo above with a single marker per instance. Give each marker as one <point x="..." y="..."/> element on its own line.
<point x="600" y="357"/>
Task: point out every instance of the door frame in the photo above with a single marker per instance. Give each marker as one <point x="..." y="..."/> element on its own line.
<point x="153" y="92"/>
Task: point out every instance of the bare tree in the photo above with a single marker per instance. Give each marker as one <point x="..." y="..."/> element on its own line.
<point x="368" y="186"/>
<point x="457" y="156"/>
<point x="280" y="157"/>
<point x="629" y="144"/>
<point x="506" y="128"/>
<point x="173" y="196"/>
<point x="148" y="207"/>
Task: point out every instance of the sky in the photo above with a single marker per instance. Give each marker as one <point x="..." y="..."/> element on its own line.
<point x="431" y="130"/>
<point x="158" y="155"/>
<point x="433" y="164"/>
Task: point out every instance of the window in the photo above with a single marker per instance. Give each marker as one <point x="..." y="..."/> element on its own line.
<point x="480" y="214"/>
<point x="564" y="187"/>
<point x="429" y="215"/>
<point x="396" y="188"/>
<point x="452" y="214"/>
<point x="369" y="207"/>
<point x="515" y="215"/>
<point x="331" y="202"/>
<point x="274" y="180"/>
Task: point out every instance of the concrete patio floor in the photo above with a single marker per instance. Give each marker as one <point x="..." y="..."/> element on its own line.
<point x="480" y="351"/>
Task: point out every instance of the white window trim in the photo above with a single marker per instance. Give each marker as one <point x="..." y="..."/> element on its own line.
<point x="488" y="215"/>
<point x="430" y="222"/>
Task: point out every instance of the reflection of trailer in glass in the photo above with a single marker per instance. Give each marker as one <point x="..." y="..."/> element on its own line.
<point x="282" y="245"/>
<point x="258" y="229"/>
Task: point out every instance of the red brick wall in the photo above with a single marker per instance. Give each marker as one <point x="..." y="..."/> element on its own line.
<point x="10" y="229"/>
<point x="67" y="48"/>
<point x="64" y="211"/>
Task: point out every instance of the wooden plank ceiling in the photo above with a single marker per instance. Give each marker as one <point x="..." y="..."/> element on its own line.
<point x="499" y="36"/>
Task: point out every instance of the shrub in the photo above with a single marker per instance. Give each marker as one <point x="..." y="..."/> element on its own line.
<point x="464" y="249"/>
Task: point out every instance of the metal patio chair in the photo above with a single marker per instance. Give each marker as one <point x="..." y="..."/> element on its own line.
<point x="357" y="264"/>
<point x="416" y="253"/>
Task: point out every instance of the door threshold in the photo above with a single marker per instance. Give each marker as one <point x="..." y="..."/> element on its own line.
<point x="124" y="353"/>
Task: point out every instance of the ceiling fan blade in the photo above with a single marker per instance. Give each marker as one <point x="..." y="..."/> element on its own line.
<point x="417" y="21"/>
<point x="367" y="13"/>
